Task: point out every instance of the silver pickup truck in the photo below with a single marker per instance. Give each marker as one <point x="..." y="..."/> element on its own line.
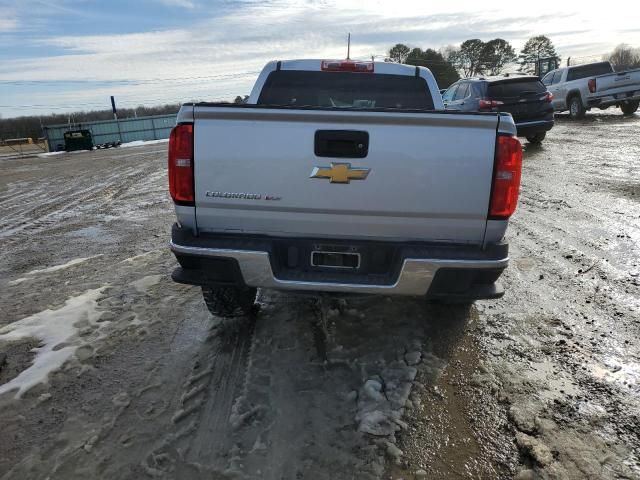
<point x="341" y="176"/>
<point x="580" y="88"/>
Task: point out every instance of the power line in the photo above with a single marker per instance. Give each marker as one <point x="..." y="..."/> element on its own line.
<point x="128" y="82"/>
<point x="134" y="102"/>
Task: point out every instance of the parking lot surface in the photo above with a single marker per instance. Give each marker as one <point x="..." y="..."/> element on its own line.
<point x="110" y="370"/>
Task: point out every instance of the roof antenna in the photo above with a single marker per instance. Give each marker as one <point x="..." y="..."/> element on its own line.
<point x="348" y="46"/>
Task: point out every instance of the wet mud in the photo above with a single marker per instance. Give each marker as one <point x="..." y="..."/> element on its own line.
<point x="541" y="384"/>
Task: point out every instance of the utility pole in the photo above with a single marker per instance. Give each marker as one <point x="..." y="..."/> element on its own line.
<point x="348" y="46"/>
<point x="115" y="116"/>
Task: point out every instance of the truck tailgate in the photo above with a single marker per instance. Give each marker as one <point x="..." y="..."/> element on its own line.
<point x="428" y="175"/>
<point x="618" y="82"/>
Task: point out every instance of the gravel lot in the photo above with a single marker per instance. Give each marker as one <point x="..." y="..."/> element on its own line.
<point x="144" y="383"/>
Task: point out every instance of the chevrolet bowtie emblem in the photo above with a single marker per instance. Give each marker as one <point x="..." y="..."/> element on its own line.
<point x="340" y="173"/>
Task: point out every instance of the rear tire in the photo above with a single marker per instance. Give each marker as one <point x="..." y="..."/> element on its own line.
<point x="229" y="301"/>
<point x="629" y="108"/>
<point x="576" y="109"/>
<point x="537" y="138"/>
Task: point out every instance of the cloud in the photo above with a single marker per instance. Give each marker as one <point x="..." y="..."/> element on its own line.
<point x="179" y="3"/>
<point x="8" y="19"/>
<point x="219" y="54"/>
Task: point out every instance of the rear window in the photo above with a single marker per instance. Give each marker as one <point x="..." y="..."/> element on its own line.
<point x="515" y="88"/>
<point x="345" y="90"/>
<point x="591" y="70"/>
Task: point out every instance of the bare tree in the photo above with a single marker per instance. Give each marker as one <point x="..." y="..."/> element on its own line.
<point x="624" y="57"/>
<point x="448" y="51"/>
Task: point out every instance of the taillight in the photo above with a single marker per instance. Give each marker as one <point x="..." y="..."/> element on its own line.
<point x="483" y="104"/>
<point x="592" y="85"/>
<point x="346" y="66"/>
<point x="547" y="97"/>
<point x="506" y="178"/>
<point x="181" y="164"/>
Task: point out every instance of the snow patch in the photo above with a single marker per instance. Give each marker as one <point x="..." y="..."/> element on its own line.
<point x="138" y="257"/>
<point x="140" y="143"/>
<point x="50" y="154"/>
<point x="143" y="284"/>
<point x="381" y="400"/>
<point x="70" y="263"/>
<point x="55" y="268"/>
<point x="55" y="329"/>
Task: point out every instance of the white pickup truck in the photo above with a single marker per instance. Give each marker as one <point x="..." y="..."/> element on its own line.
<point x="341" y="176"/>
<point x="594" y="85"/>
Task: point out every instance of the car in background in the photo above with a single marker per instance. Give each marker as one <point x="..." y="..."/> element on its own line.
<point x="595" y="85"/>
<point x="525" y="97"/>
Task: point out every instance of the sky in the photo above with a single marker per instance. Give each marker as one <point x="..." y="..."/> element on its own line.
<point x="69" y="55"/>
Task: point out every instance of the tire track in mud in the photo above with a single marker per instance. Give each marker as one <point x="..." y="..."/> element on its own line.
<point x="201" y="424"/>
<point x="287" y="395"/>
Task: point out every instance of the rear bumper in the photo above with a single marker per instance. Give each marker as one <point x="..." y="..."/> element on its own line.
<point x="434" y="270"/>
<point x="533" y="127"/>
<point x="609" y="100"/>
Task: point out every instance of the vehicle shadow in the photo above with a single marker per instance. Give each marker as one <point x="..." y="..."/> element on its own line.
<point x="532" y="149"/>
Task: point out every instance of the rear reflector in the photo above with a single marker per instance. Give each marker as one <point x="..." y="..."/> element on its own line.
<point x="181" y="164"/>
<point x="506" y="178"/>
<point x="592" y="85"/>
<point x="346" y="66"/>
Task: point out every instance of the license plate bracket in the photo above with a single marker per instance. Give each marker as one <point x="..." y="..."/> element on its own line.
<point x="332" y="259"/>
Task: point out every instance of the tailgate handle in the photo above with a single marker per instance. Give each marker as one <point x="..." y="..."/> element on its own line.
<point x="341" y="143"/>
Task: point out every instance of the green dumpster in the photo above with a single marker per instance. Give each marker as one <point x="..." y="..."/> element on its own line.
<point x="78" y="140"/>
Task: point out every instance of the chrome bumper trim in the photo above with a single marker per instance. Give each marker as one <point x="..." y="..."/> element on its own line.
<point x="414" y="279"/>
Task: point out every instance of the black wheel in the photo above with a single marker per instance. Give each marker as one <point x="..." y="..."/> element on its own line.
<point x="629" y="108"/>
<point x="229" y="301"/>
<point x="576" y="109"/>
<point x="537" y="138"/>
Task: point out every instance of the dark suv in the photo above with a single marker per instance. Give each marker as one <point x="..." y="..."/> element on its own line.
<point x="524" y="97"/>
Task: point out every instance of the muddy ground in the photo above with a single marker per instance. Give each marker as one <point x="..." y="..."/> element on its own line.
<point x="143" y="383"/>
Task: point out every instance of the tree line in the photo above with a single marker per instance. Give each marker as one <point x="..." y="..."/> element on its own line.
<point x="474" y="57"/>
<point x="31" y="126"/>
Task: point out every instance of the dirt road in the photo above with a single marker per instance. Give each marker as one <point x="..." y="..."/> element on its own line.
<point x="132" y="378"/>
